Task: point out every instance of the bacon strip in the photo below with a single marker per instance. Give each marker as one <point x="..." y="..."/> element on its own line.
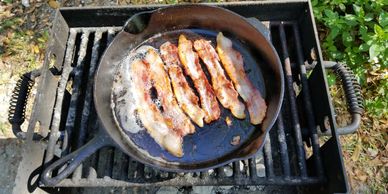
<point x="149" y="114"/>
<point x="234" y="66"/>
<point x="172" y="113"/>
<point x="185" y="96"/>
<point x="223" y="88"/>
<point x="192" y="67"/>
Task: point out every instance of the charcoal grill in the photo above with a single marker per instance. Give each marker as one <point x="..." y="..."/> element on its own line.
<point x="293" y="156"/>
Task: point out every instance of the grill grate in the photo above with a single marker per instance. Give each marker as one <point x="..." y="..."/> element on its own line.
<point x="281" y="162"/>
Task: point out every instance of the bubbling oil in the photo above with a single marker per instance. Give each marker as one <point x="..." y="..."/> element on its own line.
<point x="123" y="101"/>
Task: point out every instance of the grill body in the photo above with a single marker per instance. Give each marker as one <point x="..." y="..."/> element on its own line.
<point x="293" y="156"/>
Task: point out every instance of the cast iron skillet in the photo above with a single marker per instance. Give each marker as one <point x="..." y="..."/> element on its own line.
<point x="210" y="146"/>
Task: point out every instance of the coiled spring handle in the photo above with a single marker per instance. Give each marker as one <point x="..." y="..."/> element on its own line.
<point x="18" y="102"/>
<point x="352" y="93"/>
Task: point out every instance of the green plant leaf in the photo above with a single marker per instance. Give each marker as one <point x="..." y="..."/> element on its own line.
<point x="314" y="3"/>
<point x="342" y="7"/>
<point x="363" y="31"/>
<point x="330" y="14"/>
<point x="333" y="33"/>
<point x="383" y="19"/>
<point x="369" y="17"/>
<point x="346" y="37"/>
<point x="374" y="51"/>
<point x="351" y="19"/>
<point x="364" y="47"/>
<point x="378" y="30"/>
<point x="331" y="78"/>
<point x="332" y="48"/>
<point x="358" y="10"/>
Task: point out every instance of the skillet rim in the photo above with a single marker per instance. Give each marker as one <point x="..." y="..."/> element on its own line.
<point x="168" y="166"/>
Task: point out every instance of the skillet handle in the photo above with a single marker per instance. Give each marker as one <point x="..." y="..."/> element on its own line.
<point x="352" y="93"/>
<point x="72" y="160"/>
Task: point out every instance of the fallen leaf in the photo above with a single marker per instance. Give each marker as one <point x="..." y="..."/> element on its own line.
<point x="53" y="4"/>
<point x="360" y="175"/>
<point x="35" y="49"/>
<point x="363" y="178"/>
<point x="357" y="151"/>
<point x="30" y="9"/>
<point x="376" y="162"/>
<point x="372" y="152"/>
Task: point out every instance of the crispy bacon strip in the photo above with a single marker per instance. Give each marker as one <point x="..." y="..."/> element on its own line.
<point x="172" y="113"/>
<point x="234" y="66"/>
<point x="185" y="96"/>
<point x="223" y="88"/>
<point x="192" y="67"/>
<point x="149" y="114"/>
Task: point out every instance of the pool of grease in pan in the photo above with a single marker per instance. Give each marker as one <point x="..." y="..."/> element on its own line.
<point x="213" y="140"/>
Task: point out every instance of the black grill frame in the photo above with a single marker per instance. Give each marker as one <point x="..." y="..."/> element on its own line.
<point x="95" y="27"/>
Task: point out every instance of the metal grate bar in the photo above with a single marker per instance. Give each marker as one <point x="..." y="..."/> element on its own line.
<point x="171" y="175"/>
<point x="184" y="181"/>
<point x="268" y="157"/>
<point x="77" y="80"/>
<point x="111" y="34"/>
<point x="131" y="171"/>
<point x="75" y="97"/>
<point x="252" y="167"/>
<point x="106" y="155"/>
<point x="283" y="146"/>
<point x="120" y="165"/>
<point x="139" y="171"/>
<point x="282" y="137"/>
<point x="54" y="133"/>
<point x="204" y="174"/>
<point x="308" y="105"/>
<point x="236" y="169"/>
<point x="148" y="173"/>
<point x="91" y="163"/>
<point x="105" y="162"/>
<point x="88" y="99"/>
<point x="220" y="172"/>
<point x="293" y="108"/>
<point x="89" y="90"/>
<point x="88" y="108"/>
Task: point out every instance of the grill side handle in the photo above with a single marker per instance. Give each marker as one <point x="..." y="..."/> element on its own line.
<point x="18" y="103"/>
<point x="352" y="93"/>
